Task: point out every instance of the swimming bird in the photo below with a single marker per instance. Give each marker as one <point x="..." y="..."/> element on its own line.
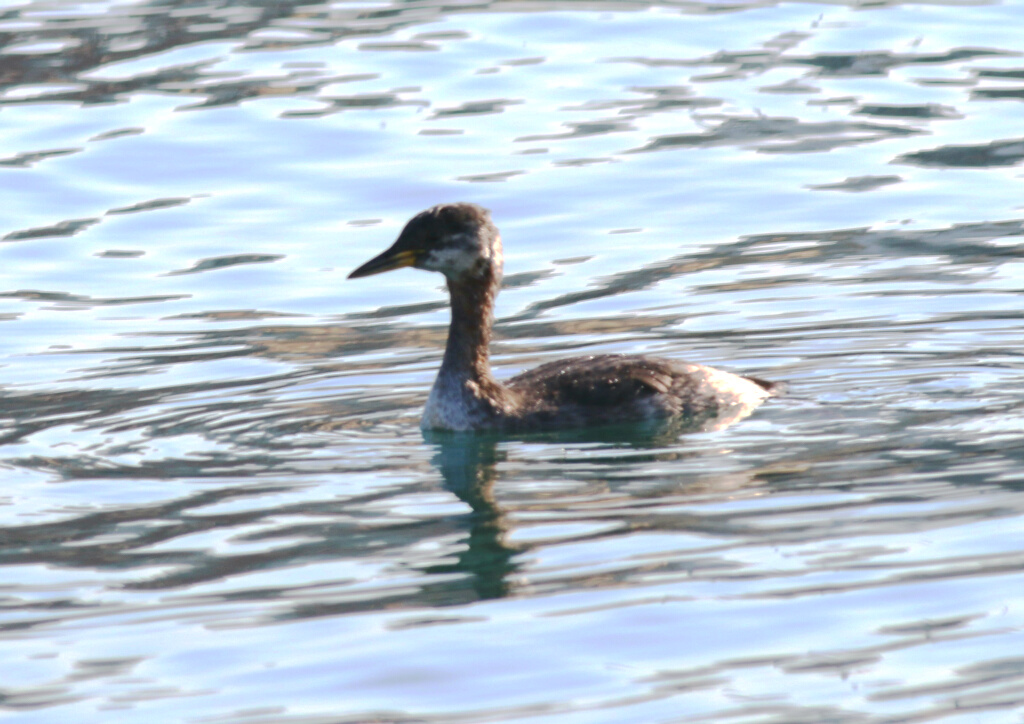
<point x="460" y="241"/>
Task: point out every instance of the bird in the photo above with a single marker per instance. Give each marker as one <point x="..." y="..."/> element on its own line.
<point x="460" y="241"/>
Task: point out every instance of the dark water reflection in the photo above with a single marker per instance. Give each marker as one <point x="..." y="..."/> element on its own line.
<point x="217" y="505"/>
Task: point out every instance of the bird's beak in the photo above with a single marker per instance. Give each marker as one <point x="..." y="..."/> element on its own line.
<point x="390" y="259"/>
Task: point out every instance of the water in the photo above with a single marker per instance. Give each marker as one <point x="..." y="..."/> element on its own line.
<point x="218" y="507"/>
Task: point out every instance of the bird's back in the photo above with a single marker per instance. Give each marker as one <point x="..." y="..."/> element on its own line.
<point x="604" y="389"/>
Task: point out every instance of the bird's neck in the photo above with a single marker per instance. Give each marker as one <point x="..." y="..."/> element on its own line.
<point x="467" y="355"/>
<point x="465" y="396"/>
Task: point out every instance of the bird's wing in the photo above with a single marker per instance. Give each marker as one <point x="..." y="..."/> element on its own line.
<point x="603" y="380"/>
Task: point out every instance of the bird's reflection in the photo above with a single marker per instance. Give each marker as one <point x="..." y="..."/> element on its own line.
<point x="468" y="465"/>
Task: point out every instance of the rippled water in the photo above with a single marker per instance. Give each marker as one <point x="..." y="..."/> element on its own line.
<point x="218" y="506"/>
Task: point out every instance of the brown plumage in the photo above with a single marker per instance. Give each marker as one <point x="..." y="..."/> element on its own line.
<point x="461" y="242"/>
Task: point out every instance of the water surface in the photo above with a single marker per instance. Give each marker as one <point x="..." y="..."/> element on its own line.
<point x="217" y="503"/>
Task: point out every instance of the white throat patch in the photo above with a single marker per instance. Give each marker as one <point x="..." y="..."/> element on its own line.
<point x="451" y="261"/>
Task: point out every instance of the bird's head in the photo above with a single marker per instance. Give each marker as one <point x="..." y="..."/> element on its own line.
<point x="457" y="240"/>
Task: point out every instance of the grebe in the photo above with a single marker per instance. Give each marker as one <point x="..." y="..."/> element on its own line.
<point x="461" y="242"/>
